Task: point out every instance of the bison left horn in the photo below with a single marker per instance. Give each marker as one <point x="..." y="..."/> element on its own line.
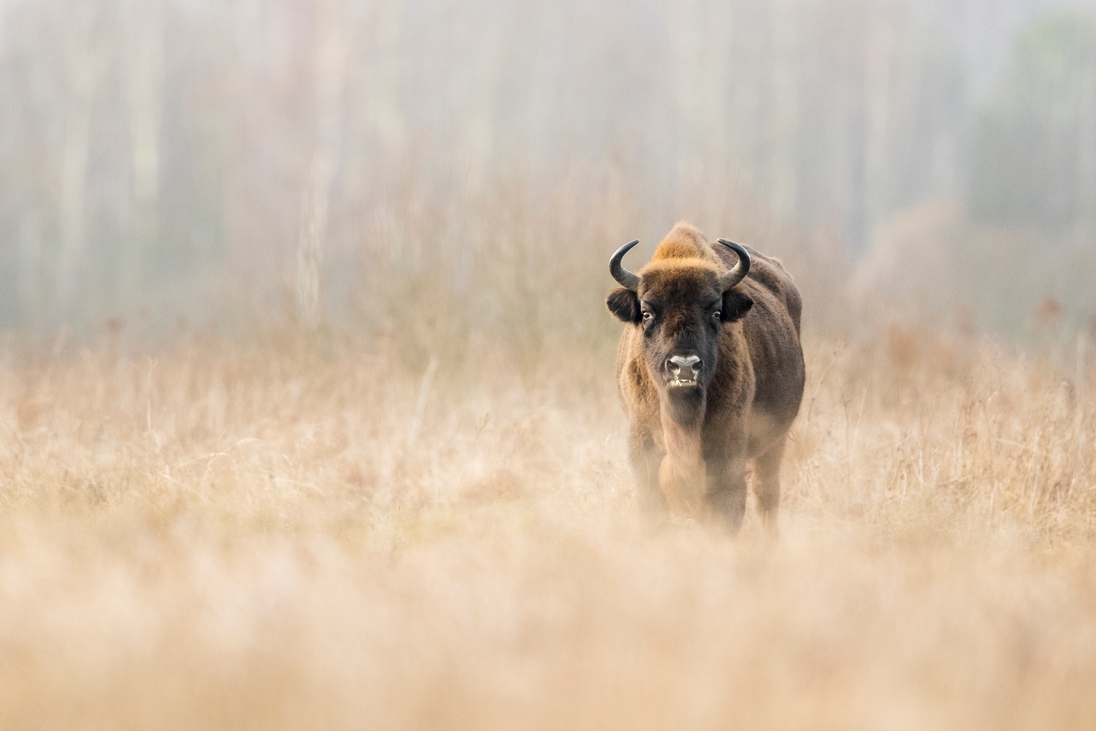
<point x="622" y="275"/>
<point x="739" y="271"/>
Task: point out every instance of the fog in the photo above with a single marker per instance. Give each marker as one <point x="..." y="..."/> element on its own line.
<point x="365" y="163"/>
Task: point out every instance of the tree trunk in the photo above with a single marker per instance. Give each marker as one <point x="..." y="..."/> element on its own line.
<point x="87" y="61"/>
<point x="145" y="96"/>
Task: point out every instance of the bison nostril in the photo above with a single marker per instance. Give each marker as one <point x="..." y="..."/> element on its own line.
<point x="680" y="365"/>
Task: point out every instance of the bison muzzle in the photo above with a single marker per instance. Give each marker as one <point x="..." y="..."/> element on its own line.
<point x="710" y="373"/>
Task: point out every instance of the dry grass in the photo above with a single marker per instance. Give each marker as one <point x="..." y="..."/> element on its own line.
<point x="248" y="537"/>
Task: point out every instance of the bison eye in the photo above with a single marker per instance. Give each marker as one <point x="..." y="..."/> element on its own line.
<point x="647" y="316"/>
<point x="716" y="315"/>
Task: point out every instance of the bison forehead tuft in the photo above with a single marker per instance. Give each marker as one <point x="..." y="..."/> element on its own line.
<point x="679" y="278"/>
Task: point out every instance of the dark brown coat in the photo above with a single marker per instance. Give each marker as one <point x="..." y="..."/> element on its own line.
<point x="689" y="446"/>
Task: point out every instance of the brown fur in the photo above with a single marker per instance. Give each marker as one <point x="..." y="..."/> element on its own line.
<point x="691" y="454"/>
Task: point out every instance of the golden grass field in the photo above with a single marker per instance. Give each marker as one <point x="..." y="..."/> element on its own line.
<point x="305" y="533"/>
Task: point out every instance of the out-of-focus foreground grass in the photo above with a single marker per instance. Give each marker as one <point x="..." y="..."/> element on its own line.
<point x="302" y="534"/>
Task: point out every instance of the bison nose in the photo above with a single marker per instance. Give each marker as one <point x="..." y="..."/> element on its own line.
<point x="684" y="368"/>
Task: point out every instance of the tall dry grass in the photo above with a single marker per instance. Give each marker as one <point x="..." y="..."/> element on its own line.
<point x="304" y="532"/>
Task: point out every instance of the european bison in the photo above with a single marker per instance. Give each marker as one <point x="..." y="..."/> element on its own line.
<point x="710" y="372"/>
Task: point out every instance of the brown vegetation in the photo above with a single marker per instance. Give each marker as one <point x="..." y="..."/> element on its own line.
<point x="224" y="536"/>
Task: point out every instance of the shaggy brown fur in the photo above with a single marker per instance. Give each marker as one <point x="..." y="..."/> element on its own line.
<point x="689" y="446"/>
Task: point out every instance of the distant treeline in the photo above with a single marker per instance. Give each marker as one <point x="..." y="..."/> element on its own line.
<point x="459" y="170"/>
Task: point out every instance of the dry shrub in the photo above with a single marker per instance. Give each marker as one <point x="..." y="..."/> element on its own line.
<point x="939" y="268"/>
<point x="255" y="536"/>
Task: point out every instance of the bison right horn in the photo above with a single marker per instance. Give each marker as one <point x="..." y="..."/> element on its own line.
<point x="622" y="275"/>
<point x="739" y="271"/>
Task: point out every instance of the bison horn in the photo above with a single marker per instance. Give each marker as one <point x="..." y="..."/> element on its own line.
<point x="622" y="275"/>
<point x="741" y="269"/>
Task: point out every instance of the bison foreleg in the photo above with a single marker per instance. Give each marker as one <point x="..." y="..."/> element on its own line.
<point x="727" y="490"/>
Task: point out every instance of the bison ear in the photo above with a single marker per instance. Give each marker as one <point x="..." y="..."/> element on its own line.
<point x="624" y="304"/>
<point x="735" y="305"/>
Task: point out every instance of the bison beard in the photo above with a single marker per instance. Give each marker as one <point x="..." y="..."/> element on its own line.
<point x="693" y="307"/>
<point x="683" y="472"/>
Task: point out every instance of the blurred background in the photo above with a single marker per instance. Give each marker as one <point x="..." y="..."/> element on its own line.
<point x="457" y="173"/>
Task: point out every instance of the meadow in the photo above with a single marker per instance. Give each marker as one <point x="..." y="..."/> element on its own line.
<point x="312" y="531"/>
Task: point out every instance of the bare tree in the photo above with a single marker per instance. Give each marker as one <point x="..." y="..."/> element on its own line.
<point x="144" y="68"/>
<point x="87" y="57"/>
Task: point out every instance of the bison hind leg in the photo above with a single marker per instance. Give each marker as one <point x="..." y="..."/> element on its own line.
<point x="767" y="485"/>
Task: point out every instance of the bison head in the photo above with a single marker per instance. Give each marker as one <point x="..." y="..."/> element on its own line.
<point x="680" y="304"/>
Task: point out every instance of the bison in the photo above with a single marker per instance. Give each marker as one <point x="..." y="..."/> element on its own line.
<point x="710" y="373"/>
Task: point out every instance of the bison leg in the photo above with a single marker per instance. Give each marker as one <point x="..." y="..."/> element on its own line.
<point x="727" y="490"/>
<point x="768" y="483"/>
<point x="646" y="458"/>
